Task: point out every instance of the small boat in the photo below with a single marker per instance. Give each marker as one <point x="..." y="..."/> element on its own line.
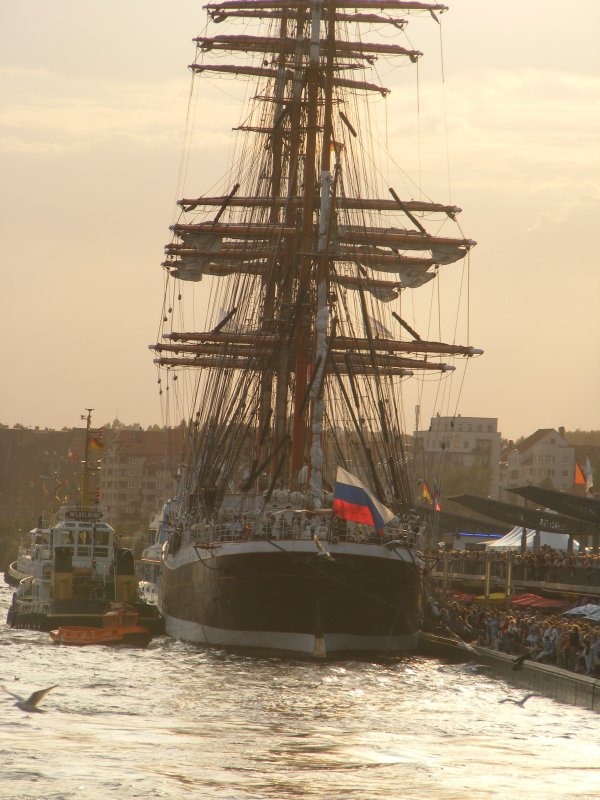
<point x="120" y="626"/>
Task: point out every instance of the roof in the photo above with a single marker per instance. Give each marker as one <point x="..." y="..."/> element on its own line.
<point x="517" y="515"/>
<point x="573" y="505"/>
<point x="536" y="437"/>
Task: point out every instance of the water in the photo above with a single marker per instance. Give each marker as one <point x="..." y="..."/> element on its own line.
<point x="174" y="721"/>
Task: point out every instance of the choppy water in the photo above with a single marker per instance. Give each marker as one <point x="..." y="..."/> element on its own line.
<point x="175" y="722"/>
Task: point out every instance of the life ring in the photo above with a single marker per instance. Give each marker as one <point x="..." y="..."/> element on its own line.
<point x="100" y="593"/>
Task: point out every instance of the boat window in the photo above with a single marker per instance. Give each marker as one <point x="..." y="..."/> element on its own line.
<point x="101" y="538"/>
<point x="85" y="537"/>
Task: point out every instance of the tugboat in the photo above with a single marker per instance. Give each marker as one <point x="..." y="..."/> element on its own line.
<point x="76" y="567"/>
<point x="120" y="626"/>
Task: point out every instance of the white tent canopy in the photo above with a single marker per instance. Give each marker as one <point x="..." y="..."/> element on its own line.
<point x="589" y="611"/>
<point x="512" y="540"/>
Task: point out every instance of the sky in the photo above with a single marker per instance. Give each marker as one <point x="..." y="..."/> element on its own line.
<point x="94" y="106"/>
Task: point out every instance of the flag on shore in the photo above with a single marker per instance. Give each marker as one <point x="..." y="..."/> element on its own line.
<point x="72" y="455"/>
<point x="95" y="443"/>
<point x="426" y="492"/>
<point x="432" y="497"/>
<point x="354" y="502"/>
<point x="579" y="475"/>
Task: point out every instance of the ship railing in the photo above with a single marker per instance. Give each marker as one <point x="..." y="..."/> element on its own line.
<point x="327" y="532"/>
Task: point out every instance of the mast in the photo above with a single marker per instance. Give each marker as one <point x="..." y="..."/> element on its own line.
<point x="85" y="478"/>
<point x="322" y="276"/>
<point x="310" y="172"/>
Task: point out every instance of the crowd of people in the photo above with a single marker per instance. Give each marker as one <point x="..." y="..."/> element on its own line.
<point x="546" y="557"/>
<point x="556" y="639"/>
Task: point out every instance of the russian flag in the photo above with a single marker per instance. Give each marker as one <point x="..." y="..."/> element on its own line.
<point x="354" y="502"/>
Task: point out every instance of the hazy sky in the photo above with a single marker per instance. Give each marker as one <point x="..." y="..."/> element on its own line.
<point x="91" y="125"/>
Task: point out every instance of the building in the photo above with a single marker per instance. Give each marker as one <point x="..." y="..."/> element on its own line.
<point x="138" y="473"/>
<point x="40" y="469"/>
<point x="543" y="459"/>
<point x="460" y="454"/>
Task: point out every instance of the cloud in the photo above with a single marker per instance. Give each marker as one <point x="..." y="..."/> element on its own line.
<point x="47" y="112"/>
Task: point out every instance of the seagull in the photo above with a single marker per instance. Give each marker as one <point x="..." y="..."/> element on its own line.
<point x="476" y="668"/>
<point x="520" y="702"/>
<point x="32" y="702"/>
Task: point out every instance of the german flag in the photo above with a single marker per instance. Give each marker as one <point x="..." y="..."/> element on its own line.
<point x="426" y="492"/>
<point x="95" y="443"/>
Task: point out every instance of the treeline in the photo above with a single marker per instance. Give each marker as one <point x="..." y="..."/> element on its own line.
<point x="581" y="438"/>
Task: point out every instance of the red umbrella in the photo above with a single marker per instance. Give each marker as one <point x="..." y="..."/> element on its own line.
<point x="545" y="602"/>
<point x="526" y="599"/>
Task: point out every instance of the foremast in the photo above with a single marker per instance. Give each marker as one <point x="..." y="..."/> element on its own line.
<point x="300" y="246"/>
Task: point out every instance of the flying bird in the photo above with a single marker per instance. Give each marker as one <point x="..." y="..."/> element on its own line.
<point x="33" y="701"/>
<point x="475" y="668"/>
<point x="520" y="702"/>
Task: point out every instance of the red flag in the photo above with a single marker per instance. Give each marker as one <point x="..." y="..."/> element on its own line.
<point x="72" y="455"/>
<point x="579" y="475"/>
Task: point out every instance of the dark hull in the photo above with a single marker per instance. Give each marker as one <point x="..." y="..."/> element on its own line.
<point x="46" y="616"/>
<point x="294" y="601"/>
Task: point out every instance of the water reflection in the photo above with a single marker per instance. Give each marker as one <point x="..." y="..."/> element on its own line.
<point x="174" y="722"/>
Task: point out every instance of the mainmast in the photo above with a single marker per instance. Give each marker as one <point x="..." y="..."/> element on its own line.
<point x="306" y="263"/>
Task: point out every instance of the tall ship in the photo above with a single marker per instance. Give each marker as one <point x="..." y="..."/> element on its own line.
<point x="289" y="334"/>
<point x="70" y="569"/>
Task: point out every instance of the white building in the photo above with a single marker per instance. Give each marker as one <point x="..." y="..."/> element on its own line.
<point x="460" y="442"/>
<point x="543" y="459"/>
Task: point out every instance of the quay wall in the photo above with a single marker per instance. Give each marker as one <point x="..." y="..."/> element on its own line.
<point x="558" y="684"/>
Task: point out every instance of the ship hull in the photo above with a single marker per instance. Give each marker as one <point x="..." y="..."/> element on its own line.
<point x="288" y="597"/>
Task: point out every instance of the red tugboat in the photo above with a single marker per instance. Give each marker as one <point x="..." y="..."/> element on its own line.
<point x="120" y="626"/>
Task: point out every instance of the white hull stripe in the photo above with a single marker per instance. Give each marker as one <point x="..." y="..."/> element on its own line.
<point x="305" y="644"/>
